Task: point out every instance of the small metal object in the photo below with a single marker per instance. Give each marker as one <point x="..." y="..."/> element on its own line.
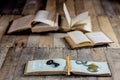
<point x="56" y="64"/>
<point x="51" y="62"/>
<point x="92" y="68"/>
<point x="81" y="62"/>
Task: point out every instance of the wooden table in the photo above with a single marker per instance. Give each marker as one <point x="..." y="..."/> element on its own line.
<point x="16" y="50"/>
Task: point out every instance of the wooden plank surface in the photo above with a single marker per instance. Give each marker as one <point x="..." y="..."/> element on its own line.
<point x="115" y="22"/>
<point x="46" y="41"/>
<point x="107" y="29"/>
<point x="85" y="55"/>
<point x="108" y="8"/>
<point x="98" y="7"/>
<point x="26" y="55"/>
<point x="33" y="41"/>
<point x="113" y="58"/>
<point x="16" y="50"/>
<point x="31" y="7"/>
<point x="79" y="6"/>
<point x="3" y="53"/>
<point x="90" y="8"/>
<point x="51" y="7"/>
<point x="58" y="40"/>
<point x="4" y="22"/>
<point x="21" y="41"/>
<point x="7" y="41"/>
<point x="10" y="63"/>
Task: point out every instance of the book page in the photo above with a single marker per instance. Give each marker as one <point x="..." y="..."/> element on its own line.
<point x="78" y="37"/>
<point x="41" y="66"/>
<point x="21" y="24"/>
<point x="67" y="15"/>
<point x="44" y="17"/>
<point x="79" y="18"/>
<point x="82" y="69"/>
<point x="87" y="25"/>
<point x="98" y="37"/>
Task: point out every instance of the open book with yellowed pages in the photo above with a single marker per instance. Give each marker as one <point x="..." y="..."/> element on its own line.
<point x="81" y="22"/>
<point x="77" y="39"/>
<point x="61" y="67"/>
<point x="40" y="22"/>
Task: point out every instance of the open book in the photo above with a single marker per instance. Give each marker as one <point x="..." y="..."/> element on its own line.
<point x="41" y="22"/>
<point x="80" y="22"/>
<point x="41" y="67"/>
<point x="78" y="39"/>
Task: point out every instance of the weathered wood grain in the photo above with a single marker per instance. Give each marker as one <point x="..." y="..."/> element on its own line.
<point x="4" y="22"/>
<point x="4" y="70"/>
<point x="10" y="63"/>
<point x="98" y="54"/>
<point x="41" y="53"/>
<point x="59" y="40"/>
<point x="3" y="53"/>
<point x="108" y="8"/>
<point x="113" y="57"/>
<point x="110" y="12"/>
<point x="90" y="8"/>
<point x="33" y="41"/>
<point x="21" y="41"/>
<point x="115" y="22"/>
<point x="51" y="8"/>
<point x="71" y="53"/>
<point x="70" y="7"/>
<point x="7" y="41"/>
<point x="31" y="7"/>
<point x="49" y="46"/>
<point x="104" y="78"/>
<point x="79" y="6"/>
<point x="56" y="53"/>
<point x="98" y="7"/>
<point x="84" y="54"/>
<point x="26" y="55"/>
<point x="107" y="29"/>
<point x="116" y="6"/>
<point x="46" y="41"/>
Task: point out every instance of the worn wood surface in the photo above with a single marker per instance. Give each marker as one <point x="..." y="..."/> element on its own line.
<point x="31" y="6"/>
<point x="17" y="49"/>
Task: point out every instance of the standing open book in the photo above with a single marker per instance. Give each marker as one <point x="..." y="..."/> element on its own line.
<point x="41" y="22"/>
<point x="62" y="66"/>
<point x="78" y="39"/>
<point x="81" y="22"/>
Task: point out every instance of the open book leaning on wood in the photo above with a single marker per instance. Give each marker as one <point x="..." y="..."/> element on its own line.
<point x="62" y="66"/>
<point x="78" y="39"/>
<point x="81" y="22"/>
<point x="41" y="22"/>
